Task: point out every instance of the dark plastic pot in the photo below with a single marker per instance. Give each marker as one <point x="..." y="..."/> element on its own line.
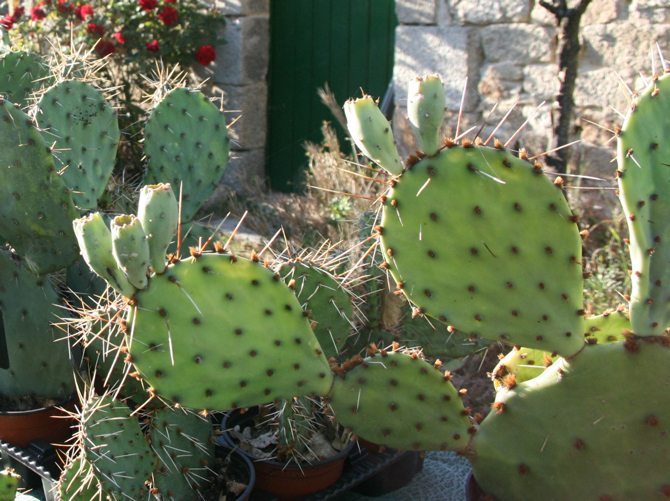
<point x="287" y="481"/>
<point x="51" y="424"/>
<point x="472" y="490"/>
<point x="241" y="468"/>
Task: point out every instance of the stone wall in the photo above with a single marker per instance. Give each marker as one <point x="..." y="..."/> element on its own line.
<point x="506" y="49"/>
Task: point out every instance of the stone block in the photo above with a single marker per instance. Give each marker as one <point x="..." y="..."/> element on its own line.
<point x="416" y="11"/>
<point x="540" y="15"/>
<point x="500" y="82"/>
<point x="624" y="45"/>
<point x="600" y="88"/>
<point x="246" y="54"/>
<point x="541" y="81"/>
<point x="243" y="7"/>
<point x="601" y="12"/>
<point x="247" y="104"/>
<point x="245" y="171"/>
<point x="490" y="11"/>
<point x="452" y="52"/>
<point x="519" y="43"/>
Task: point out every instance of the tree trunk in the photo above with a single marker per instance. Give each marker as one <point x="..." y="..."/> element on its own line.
<point x="568" y="21"/>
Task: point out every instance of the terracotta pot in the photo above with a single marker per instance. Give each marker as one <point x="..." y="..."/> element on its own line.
<point x="287" y="481"/>
<point x="51" y="424"/>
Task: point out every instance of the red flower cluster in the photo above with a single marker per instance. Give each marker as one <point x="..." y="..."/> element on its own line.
<point x="206" y="54"/>
<point x="119" y="37"/>
<point x="95" y="29"/>
<point x="153" y="46"/>
<point x="105" y="48"/>
<point x="65" y="6"/>
<point x="37" y="13"/>
<point x="8" y="21"/>
<point x="169" y="16"/>
<point x="83" y="12"/>
<point x="148" y="4"/>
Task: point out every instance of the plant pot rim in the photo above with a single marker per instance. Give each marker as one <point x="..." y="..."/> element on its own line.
<point x="61" y="404"/>
<point x="236" y="452"/>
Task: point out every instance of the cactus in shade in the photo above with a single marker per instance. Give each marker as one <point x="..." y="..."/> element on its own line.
<point x="187" y="145"/>
<point x="508" y="252"/>
<point x="32" y="362"/>
<point x="77" y="119"/>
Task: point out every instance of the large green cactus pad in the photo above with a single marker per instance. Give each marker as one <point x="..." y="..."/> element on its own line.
<point x="595" y="427"/>
<point x="84" y="127"/>
<point x="186" y="141"/>
<point x="35" y="361"/>
<point x="644" y="188"/>
<point x="78" y="482"/>
<point x="483" y="241"/>
<point x="401" y="401"/>
<point x="116" y="447"/>
<point x="21" y="75"/>
<point x="218" y="332"/>
<point x="37" y="210"/>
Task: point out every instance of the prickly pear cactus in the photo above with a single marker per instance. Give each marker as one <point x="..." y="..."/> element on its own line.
<point x="37" y="213"/>
<point x="78" y="482"/>
<point x="402" y="401"/>
<point x="644" y="177"/>
<point x="33" y="361"/>
<point x="186" y="141"/>
<point x="84" y="127"/>
<point x="21" y="75"/>
<point x="220" y="332"/>
<point x="483" y="241"/>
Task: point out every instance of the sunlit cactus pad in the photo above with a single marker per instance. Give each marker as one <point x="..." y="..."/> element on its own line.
<point x="483" y="241"/>
<point x="21" y="75"/>
<point x="401" y="401"/>
<point x="595" y="427"/>
<point x="186" y="141"/>
<point x="84" y="129"/>
<point x="220" y="332"/>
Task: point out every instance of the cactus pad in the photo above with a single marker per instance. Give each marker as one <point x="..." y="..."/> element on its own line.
<point x="21" y="75"/>
<point x="220" y="332"/>
<point x="83" y="125"/>
<point x="79" y="483"/>
<point x="186" y="141"/>
<point x="600" y="409"/>
<point x="37" y="210"/>
<point x="401" y="401"/>
<point x="483" y="241"/>
<point x="644" y="178"/>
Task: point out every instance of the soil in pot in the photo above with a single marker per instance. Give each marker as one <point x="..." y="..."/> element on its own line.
<point x="233" y="476"/>
<point x="285" y="481"/>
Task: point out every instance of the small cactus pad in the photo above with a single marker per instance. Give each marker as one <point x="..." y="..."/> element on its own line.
<point x="95" y="240"/>
<point x="644" y="176"/>
<point x="372" y="133"/>
<point x="183" y="442"/>
<point x="519" y="365"/>
<point x="483" y="241"/>
<point x="220" y="332"/>
<point x="328" y="304"/>
<point x="34" y="361"/>
<point x="84" y="127"/>
<point x="79" y="483"/>
<point x="609" y="327"/>
<point x="401" y="401"/>
<point x="438" y="340"/>
<point x="158" y="211"/>
<point x="186" y="141"/>
<point x="130" y="247"/>
<point x="117" y="449"/>
<point x="9" y="483"/>
<point x="426" y="104"/>
<point x="21" y="75"/>
<point x="599" y="419"/>
<point x="37" y="210"/>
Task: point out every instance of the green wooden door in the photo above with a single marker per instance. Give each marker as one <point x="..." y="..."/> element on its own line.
<point x="346" y="43"/>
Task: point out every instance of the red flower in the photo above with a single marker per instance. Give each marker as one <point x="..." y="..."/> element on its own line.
<point x="18" y="12"/>
<point x="148" y="4"/>
<point x="83" y="12"/>
<point x="119" y="37"/>
<point x="170" y="1"/>
<point x="153" y="46"/>
<point x="105" y="48"/>
<point x="65" y="6"/>
<point x="37" y="14"/>
<point x="169" y="16"/>
<point x="205" y="55"/>
<point x="93" y="29"/>
<point x="7" y="22"/>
